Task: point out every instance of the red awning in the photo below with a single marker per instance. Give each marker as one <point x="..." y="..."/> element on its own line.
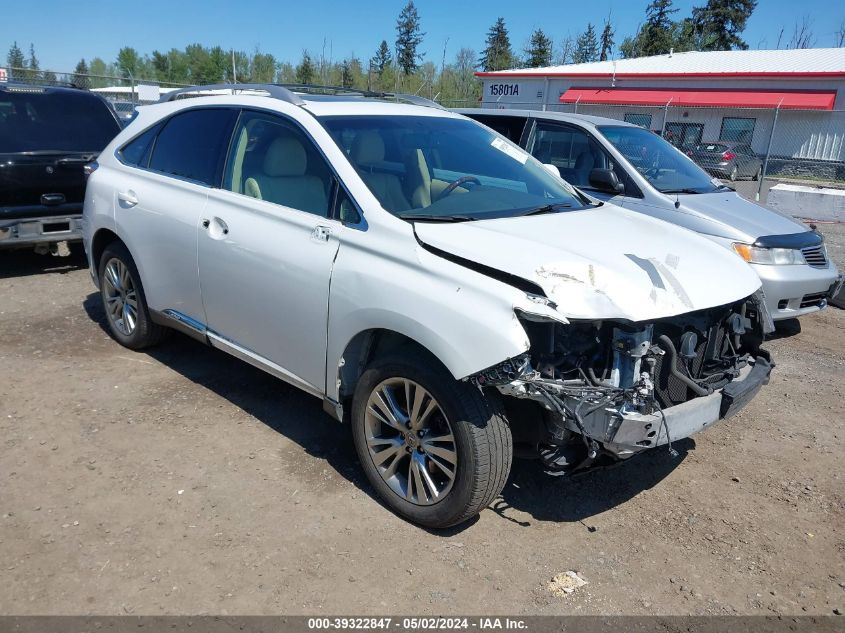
<point x="809" y="100"/>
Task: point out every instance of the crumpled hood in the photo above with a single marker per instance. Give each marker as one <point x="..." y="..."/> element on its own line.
<point x="741" y="218"/>
<point x="604" y="263"/>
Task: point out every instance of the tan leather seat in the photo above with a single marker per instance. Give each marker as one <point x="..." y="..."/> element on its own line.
<point x="284" y="179"/>
<point x="417" y="179"/>
<point x="367" y="152"/>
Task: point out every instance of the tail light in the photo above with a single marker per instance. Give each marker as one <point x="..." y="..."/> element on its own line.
<point x="728" y="155"/>
<point x="90" y="168"/>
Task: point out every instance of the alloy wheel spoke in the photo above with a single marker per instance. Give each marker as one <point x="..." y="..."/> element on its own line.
<point x="112" y="276"/>
<point x="446" y="454"/>
<point x="382" y="456"/>
<point x="415" y="404"/>
<point x="379" y="414"/>
<point x="427" y="479"/>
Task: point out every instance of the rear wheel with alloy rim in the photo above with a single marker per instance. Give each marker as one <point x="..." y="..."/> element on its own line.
<point x="123" y="300"/>
<point x="436" y="450"/>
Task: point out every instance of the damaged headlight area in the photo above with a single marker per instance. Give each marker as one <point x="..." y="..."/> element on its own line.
<point x="605" y="388"/>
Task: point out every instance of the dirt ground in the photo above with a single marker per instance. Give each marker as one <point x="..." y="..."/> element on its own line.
<point x="183" y="481"/>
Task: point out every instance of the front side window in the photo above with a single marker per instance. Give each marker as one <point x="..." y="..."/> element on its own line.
<point x="737" y="129"/>
<point x="193" y="143"/>
<point x="45" y="121"/>
<point x="665" y="167"/>
<point x="434" y="167"/>
<point x="271" y="159"/>
<point x="574" y="152"/>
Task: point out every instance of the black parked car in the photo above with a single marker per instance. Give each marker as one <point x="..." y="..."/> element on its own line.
<point x="47" y="136"/>
<point x="727" y="159"/>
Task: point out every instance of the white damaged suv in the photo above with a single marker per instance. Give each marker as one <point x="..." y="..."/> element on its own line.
<point x="433" y="283"/>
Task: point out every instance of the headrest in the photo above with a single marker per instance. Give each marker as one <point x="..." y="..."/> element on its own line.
<point x="585" y="160"/>
<point x="285" y="157"/>
<point x="367" y="148"/>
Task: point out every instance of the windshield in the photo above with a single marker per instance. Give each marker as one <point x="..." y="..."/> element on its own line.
<point x="36" y="121"/>
<point x="662" y="164"/>
<point x="448" y="169"/>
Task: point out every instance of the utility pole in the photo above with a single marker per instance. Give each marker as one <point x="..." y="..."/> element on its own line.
<point x="443" y="65"/>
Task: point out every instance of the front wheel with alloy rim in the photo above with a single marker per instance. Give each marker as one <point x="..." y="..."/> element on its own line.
<point x="123" y="300"/>
<point x="436" y="450"/>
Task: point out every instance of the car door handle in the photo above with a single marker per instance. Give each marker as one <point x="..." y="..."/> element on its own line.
<point x="217" y="228"/>
<point x="128" y="198"/>
<point x="321" y="233"/>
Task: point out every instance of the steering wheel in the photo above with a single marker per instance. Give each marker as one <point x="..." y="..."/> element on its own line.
<point x="457" y="183"/>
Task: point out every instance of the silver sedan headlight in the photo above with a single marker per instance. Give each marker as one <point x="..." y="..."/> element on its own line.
<point x="772" y="256"/>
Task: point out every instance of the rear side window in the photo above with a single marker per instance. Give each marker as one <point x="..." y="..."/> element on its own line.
<point x="137" y="151"/>
<point x="193" y="144"/>
<point x="44" y="120"/>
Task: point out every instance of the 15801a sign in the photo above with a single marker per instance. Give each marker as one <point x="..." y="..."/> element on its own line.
<point x="504" y="90"/>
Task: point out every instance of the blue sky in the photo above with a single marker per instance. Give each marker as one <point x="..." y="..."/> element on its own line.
<point x="65" y="31"/>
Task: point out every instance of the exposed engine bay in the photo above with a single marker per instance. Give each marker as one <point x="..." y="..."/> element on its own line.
<point x="589" y="389"/>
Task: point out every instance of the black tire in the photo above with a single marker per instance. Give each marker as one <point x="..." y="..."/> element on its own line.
<point x="483" y="442"/>
<point x="757" y="174"/>
<point x="145" y="333"/>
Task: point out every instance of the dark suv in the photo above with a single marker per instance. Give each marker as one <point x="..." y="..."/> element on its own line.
<point x="47" y="135"/>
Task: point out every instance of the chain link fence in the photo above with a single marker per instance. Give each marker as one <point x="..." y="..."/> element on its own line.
<point x="114" y="88"/>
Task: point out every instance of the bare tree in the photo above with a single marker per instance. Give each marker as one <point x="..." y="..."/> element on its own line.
<point x="839" y="36"/>
<point x="802" y="34"/>
<point x="567" y="51"/>
<point x="780" y="37"/>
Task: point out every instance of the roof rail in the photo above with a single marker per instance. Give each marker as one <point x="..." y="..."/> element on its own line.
<point x="372" y="94"/>
<point x="273" y="90"/>
<point x="291" y="92"/>
<point x="415" y="100"/>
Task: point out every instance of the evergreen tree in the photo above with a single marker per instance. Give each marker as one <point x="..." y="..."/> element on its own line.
<point x="539" y="51"/>
<point x="15" y="62"/>
<point x="606" y="40"/>
<point x="408" y="38"/>
<point x="305" y="69"/>
<point x="497" y="54"/>
<point x="346" y="79"/>
<point x="49" y="77"/>
<point x="80" y="75"/>
<point x="33" y="68"/>
<point x="657" y="36"/>
<point x="719" y="23"/>
<point x="586" y="47"/>
<point x="382" y="59"/>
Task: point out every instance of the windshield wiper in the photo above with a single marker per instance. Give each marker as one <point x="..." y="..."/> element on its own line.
<point x="422" y="217"/>
<point x="686" y="190"/>
<point x="547" y="208"/>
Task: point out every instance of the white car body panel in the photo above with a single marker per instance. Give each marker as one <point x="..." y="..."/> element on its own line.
<point x="621" y="266"/>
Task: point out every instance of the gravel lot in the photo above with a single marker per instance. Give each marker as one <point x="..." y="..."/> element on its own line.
<point x="183" y="481"/>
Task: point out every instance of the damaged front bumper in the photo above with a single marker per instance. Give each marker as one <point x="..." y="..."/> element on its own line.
<point x="636" y="431"/>
<point x="618" y="389"/>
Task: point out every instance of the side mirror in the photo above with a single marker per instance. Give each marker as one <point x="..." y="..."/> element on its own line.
<point x="606" y="180"/>
<point x="552" y="169"/>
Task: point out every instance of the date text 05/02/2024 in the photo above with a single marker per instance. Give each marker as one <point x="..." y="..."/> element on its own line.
<point x="417" y="623"/>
